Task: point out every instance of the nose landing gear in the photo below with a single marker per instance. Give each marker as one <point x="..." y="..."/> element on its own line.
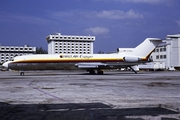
<point x="21" y="73"/>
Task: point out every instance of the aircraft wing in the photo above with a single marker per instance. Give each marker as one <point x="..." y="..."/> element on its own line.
<point x="95" y="65"/>
<point x="100" y="65"/>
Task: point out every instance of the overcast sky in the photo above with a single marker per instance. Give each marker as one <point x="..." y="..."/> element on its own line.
<point x="115" y="23"/>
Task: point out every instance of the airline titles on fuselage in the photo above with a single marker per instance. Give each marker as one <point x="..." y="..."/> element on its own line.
<point x="76" y="56"/>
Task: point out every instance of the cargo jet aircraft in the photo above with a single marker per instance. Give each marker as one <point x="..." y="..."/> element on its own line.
<point x="89" y="62"/>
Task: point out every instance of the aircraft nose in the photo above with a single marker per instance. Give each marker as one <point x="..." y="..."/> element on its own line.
<point x="5" y="65"/>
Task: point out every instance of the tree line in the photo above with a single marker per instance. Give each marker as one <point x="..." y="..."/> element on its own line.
<point x="40" y="50"/>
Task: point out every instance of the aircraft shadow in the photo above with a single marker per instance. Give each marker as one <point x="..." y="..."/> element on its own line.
<point x="118" y="73"/>
<point x="76" y="111"/>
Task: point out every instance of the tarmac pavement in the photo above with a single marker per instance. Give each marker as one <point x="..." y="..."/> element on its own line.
<point x="75" y="95"/>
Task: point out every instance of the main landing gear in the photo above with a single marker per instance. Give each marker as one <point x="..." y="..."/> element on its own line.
<point x="99" y="72"/>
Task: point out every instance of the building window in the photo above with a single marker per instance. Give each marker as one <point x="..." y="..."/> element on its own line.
<point x="164" y="49"/>
<point x="157" y="56"/>
<point x="161" y="56"/>
<point x="164" y="56"/>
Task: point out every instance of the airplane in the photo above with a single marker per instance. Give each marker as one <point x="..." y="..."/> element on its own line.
<point x="89" y="62"/>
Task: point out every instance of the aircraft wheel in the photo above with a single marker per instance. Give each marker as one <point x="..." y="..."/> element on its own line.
<point x="92" y="72"/>
<point x="100" y="72"/>
<point x="21" y="73"/>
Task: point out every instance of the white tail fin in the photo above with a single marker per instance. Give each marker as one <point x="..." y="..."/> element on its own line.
<point x="146" y="47"/>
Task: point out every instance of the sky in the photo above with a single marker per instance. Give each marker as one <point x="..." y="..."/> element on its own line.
<point x="114" y="23"/>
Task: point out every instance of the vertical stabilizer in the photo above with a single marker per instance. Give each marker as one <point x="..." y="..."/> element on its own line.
<point x="146" y="47"/>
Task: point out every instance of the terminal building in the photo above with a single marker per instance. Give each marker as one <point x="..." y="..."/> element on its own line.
<point x="167" y="56"/>
<point x="70" y="44"/>
<point x="9" y="52"/>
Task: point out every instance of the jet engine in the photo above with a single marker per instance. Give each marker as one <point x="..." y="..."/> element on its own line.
<point x="131" y="59"/>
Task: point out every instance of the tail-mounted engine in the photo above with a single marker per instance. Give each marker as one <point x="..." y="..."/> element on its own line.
<point x="131" y="59"/>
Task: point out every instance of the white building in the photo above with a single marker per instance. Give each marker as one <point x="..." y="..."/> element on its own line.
<point x="159" y="57"/>
<point x="69" y="44"/>
<point x="9" y="52"/>
<point x="167" y="56"/>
